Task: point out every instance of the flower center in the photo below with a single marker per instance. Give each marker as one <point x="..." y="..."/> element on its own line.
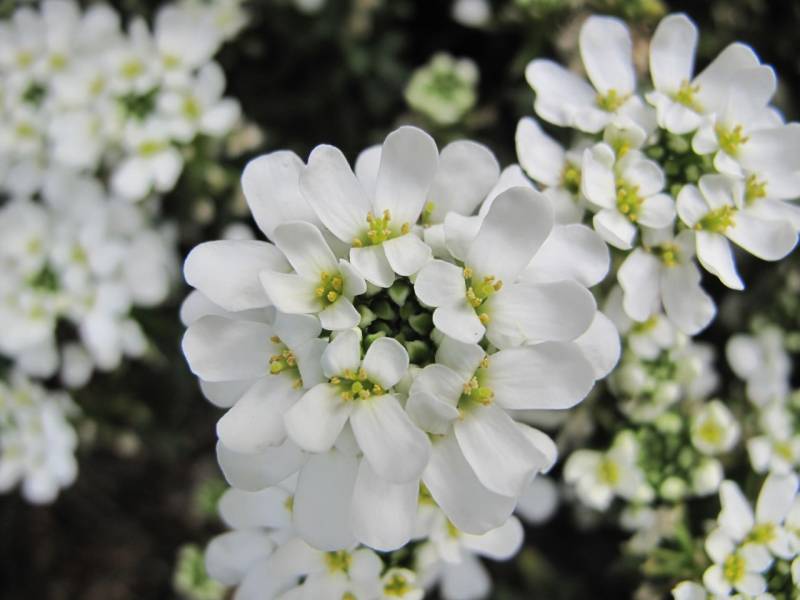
<point x="734" y="568"/>
<point x="629" y="202"/>
<point x="132" y="68"/>
<point x="397" y="585"/>
<point x="474" y="393"/>
<point x="571" y="178"/>
<point x="686" y="96"/>
<point x="763" y="533"/>
<point x="478" y="291"/>
<point x="284" y="361"/>
<point x="356" y="385"/>
<point x="380" y="230"/>
<point x="730" y="139"/>
<point x="717" y="220"/>
<point x="711" y="431"/>
<point x="608" y="472"/>
<point x="330" y="288"/>
<point x="611" y="101"/>
<point x="668" y="254"/>
<point x="755" y="189"/>
<point x="150" y="148"/>
<point x="191" y="108"/>
<point x="338" y="561"/>
<point x="396" y="312"/>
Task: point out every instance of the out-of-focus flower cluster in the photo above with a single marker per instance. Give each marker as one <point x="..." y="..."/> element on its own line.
<point x="81" y="93"/>
<point x="93" y="116"/>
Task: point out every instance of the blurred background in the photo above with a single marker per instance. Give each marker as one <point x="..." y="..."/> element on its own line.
<point x="343" y="72"/>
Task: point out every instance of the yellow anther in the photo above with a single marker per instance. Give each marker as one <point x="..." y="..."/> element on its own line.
<point x="335" y="380"/>
<point x="387" y="216"/>
<point x="405" y="228"/>
<point x="377" y="389"/>
<point x="337" y="284"/>
<point x="275" y="339"/>
<point x="467" y="273"/>
<point x="484" y="364"/>
<point x="357" y="243"/>
<point x="348" y="374"/>
<point x="298" y="383"/>
<point x="364" y="394"/>
<point x="320" y="291"/>
<point x="498" y="286"/>
<point x="332" y="296"/>
<point x="346" y="396"/>
<point x="362" y="374"/>
<point x="484" y="318"/>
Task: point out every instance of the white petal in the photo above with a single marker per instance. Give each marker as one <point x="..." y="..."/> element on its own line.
<point x="774" y="149"/>
<point x="466" y="580"/>
<point x="383" y="513"/>
<point x="230" y="555"/>
<point x="767" y="240"/>
<point x="430" y="412"/>
<point x="440" y="283"/>
<point x="501" y="456"/>
<point x="714" y="253"/>
<point x="367" y="164"/>
<point x="396" y="448"/>
<point x="540" y="155"/>
<point x="407" y="254"/>
<point x="657" y="211"/>
<point x="408" y="164"/>
<point x="257" y="471"/>
<point x="600" y="345"/>
<point x="466" y="173"/>
<point x="221" y="349"/>
<point x="316" y="419"/>
<point x="339" y="315"/>
<point x="372" y="264"/>
<point x="386" y="362"/>
<point x="305" y="248"/>
<point x="342" y="354"/>
<point x="552" y="375"/>
<point x="691" y="206"/>
<point x="354" y="284"/>
<point x="719" y="545"/>
<point x="559" y="311"/>
<point x="639" y="278"/>
<point x="460" y="322"/>
<point x="515" y="227"/>
<point x="736" y="517"/>
<point x="463" y="358"/>
<point x="776" y="498"/>
<point x="539" y="501"/>
<point x="333" y="191"/>
<point x="242" y="509"/>
<point x="713" y="82"/>
<point x="226" y="271"/>
<point x="560" y="94"/>
<point x="598" y="183"/>
<point x="606" y="51"/>
<point x="322" y="500"/>
<point x="498" y="544"/>
<point x="685" y="302"/>
<point x="672" y="52"/>
<point x="453" y="484"/>
<point x="255" y="422"/>
<point x="271" y="185"/>
<point x="291" y="293"/>
<point x="571" y="251"/>
<point x="615" y="228"/>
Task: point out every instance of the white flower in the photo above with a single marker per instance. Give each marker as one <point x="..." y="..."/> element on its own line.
<point x="564" y="98"/>
<point x="463" y="401"/>
<point x="450" y="558"/>
<point x="484" y="296"/>
<point x="763" y="363"/>
<point x="662" y="272"/>
<point x="184" y="40"/>
<point x="680" y="99"/>
<point x="376" y="225"/>
<point x="557" y="170"/>
<point x="198" y="107"/>
<point x="152" y="163"/>
<point x="599" y="476"/>
<point x="627" y="190"/>
<point x="715" y="212"/>
<point x="321" y="285"/>
<point x="714" y="429"/>
<point x="777" y="450"/>
<point x="37" y="441"/>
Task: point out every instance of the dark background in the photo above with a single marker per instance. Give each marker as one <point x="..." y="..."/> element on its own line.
<point x="335" y="77"/>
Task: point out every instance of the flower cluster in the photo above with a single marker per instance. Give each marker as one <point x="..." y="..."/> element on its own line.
<point x="76" y="264"/>
<point x="79" y="93"/>
<point x="37" y="441"/>
<point x="378" y="350"/>
<point x="679" y="172"/>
